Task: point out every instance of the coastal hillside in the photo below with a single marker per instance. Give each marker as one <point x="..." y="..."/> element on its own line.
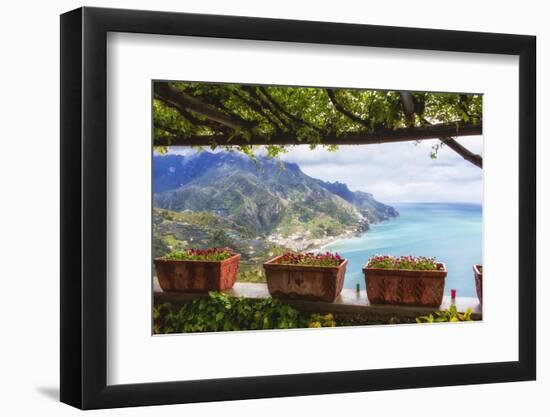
<point x="260" y="208"/>
<point x="265" y="197"/>
<point x="373" y="210"/>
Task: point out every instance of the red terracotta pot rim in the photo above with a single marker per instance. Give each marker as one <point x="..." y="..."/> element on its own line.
<point x="443" y="269"/>
<point x="231" y="258"/>
<point x="272" y="263"/>
<point x="439" y="264"/>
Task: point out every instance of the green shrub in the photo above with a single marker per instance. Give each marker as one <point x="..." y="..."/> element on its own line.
<point x="318" y="320"/>
<point x="221" y="312"/>
<point x="449" y="315"/>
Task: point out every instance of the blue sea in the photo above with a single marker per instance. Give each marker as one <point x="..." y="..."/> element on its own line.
<point x="450" y="232"/>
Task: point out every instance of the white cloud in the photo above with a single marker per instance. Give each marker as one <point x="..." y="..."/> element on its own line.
<point x="398" y="172"/>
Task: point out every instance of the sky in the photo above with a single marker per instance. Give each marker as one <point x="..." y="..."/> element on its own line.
<point x="395" y="172"/>
<point x="398" y="172"/>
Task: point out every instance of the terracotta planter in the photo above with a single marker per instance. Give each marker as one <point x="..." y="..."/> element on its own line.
<point x="478" y="275"/>
<point x="321" y="283"/>
<point x="405" y="287"/>
<point x="197" y="276"/>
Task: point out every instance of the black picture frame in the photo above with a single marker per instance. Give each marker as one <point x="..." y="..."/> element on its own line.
<point x="84" y="207"/>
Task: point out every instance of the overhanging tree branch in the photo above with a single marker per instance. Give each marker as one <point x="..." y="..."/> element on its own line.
<point x="193" y="120"/>
<point x="345" y="111"/>
<point x="266" y="114"/>
<point x="462" y="151"/>
<point x="250" y="115"/>
<point x="280" y="121"/>
<point x="181" y="100"/>
<point x="289" y="115"/>
<point x="468" y="155"/>
<point x="383" y="135"/>
<point x="167" y="129"/>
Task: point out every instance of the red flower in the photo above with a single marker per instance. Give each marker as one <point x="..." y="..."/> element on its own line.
<point x="311" y="259"/>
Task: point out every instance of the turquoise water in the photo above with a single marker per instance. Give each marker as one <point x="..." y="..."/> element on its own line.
<point x="450" y="232"/>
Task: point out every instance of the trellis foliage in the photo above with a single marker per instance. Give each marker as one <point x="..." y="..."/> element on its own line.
<point x="236" y="115"/>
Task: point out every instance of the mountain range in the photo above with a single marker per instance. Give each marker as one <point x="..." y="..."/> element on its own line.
<point x="262" y="196"/>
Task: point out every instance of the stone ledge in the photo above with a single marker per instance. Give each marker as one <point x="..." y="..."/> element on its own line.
<point x="348" y="302"/>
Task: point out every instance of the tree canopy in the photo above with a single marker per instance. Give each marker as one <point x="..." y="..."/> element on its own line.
<point x="205" y="114"/>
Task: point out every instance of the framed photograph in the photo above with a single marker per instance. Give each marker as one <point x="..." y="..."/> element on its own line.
<point x="259" y="208"/>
